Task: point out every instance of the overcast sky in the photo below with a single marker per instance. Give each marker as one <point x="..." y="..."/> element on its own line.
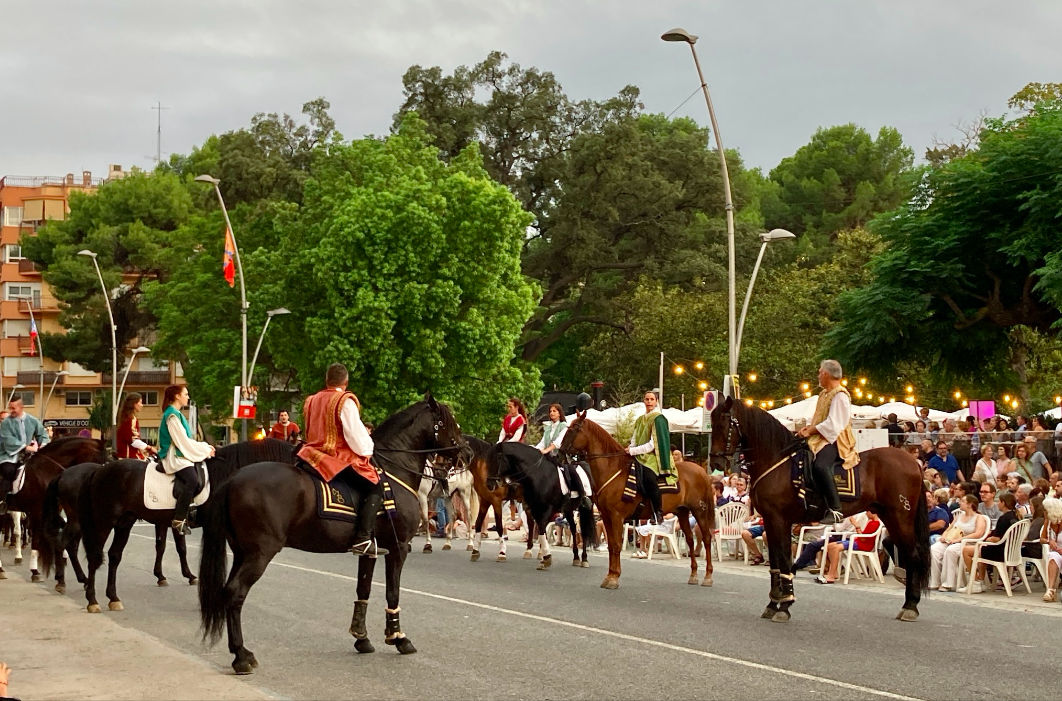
<point x="80" y="77"/>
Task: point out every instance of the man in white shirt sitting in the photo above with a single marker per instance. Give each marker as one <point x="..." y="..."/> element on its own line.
<point x="830" y="436"/>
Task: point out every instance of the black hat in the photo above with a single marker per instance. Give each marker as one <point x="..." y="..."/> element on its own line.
<point x="583" y="402"/>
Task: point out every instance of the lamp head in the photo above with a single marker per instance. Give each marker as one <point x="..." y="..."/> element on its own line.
<point x="62" y="373"/>
<point x="278" y="312"/>
<point x="776" y="235"/>
<point x="141" y="349"/>
<point x="204" y="178"/>
<point x="679" y="34"/>
<point x="87" y="252"/>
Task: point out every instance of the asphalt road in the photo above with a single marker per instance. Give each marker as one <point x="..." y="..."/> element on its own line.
<point x="504" y="630"/>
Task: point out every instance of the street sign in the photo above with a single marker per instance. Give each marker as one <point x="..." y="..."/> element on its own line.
<point x="244" y="402"/>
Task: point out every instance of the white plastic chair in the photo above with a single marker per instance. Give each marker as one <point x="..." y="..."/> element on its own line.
<point x="731" y="519"/>
<point x="867" y="559"/>
<point x="1039" y="562"/>
<point x="816" y="533"/>
<point x="670" y="538"/>
<point x="961" y="578"/>
<point x="1011" y="541"/>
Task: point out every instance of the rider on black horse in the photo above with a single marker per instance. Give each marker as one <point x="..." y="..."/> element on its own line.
<point x="573" y="475"/>
<point x="830" y="437"/>
<point x="181" y="454"/>
<point x="651" y="448"/>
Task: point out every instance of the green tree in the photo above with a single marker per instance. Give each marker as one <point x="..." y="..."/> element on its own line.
<point x="968" y="262"/>
<point x="406" y="269"/>
<point x="838" y="181"/>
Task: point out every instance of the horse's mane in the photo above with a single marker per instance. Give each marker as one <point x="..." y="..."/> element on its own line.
<point x="601" y="434"/>
<point x="479" y="446"/>
<point x="397" y="424"/>
<point x="229" y="458"/>
<point x="767" y="433"/>
<point x="58" y="444"/>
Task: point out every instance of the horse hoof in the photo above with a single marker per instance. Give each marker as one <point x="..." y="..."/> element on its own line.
<point x="242" y="667"/>
<point x="546" y="563"/>
<point x="609" y="583"/>
<point x="576" y="563"/>
<point x="527" y="554"/>
<point x="585" y="564"/>
<point x="707" y="581"/>
<point x="192" y="581"/>
<point x="907" y="615"/>
<point x="18" y="560"/>
<point x="501" y="557"/>
<point x="780" y="616"/>
<point x="427" y="547"/>
<point x="3" y="575"/>
<point x="93" y="608"/>
<point x="37" y="578"/>
<point x="469" y="547"/>
<point x="364" y="646"/>
<point x="116" y="606"/>
<point x="163" y="583"/>
<point x="475" y="556"/>
<point x="694" y="580"/>
<point x="60" y="588"/>
<point x="404" y="647"/>
<point x="446" y="547"/>
<point x="768" y="613"/>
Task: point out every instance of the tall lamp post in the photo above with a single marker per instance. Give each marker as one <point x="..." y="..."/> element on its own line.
<point x="125" y="375"/>
<point x="114" y="350"/>
<point x="269" y="317"/>
<point x="765" y="238"/>
<point x="729" y="382"/>
<point x="243" y="290"/>
<point x="61" y="373"/>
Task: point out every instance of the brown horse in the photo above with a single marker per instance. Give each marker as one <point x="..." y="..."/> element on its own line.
<point x="492" y="492"/>
<point x="40" y="469"/>
<point x="891" y="482"/>
<point x="608" y="470"/>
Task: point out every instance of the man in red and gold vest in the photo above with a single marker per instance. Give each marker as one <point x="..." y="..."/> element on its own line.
<point x="337" y="444"/>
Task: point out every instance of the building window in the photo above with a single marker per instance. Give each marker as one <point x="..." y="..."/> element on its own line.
<point x="26" y="397"/>
<point x="12" y="216"/>
<point x="12" y="252"/>
<point x="151" y="398"/>
<point x="16" y="291"/>
<point x="149" y="434"/>
<point x="148" y="364"/>
<point x="14" y="365"/>
<point x="14" y="328"/>
<point x="76" y="370"/>
<point x="78" y="398"/>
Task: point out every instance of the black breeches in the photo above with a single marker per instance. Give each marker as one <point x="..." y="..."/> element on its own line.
<point x="186" y="484"/>
<point x="359" y="484"/>
<point x="650" y="488"/>
<point x="825" y="460"/>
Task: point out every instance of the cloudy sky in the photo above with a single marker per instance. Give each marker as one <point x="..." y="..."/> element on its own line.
<point x="80" y="77"/>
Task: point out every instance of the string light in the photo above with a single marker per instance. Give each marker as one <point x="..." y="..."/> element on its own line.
<point x="909" y="389"/>
<point x="859" y="393"/>
<point x="770" y="404"/>
<point x="891" y="400"/>
<point x="805" y="386"/>
<point x="752" y="377"/>
<point x="703" y="385"/>
<point x="844" y="382"/>
<point x="965" y="403"/>
<point x="748" y="402"/>
<point x="1006" y="398"/>
<point x="699" y="365"/>
<point x="1014" y="404"/>
<point x="862" y="380"/>
<point x="807" y="395"/>
<point x="958" y="394"/>
<point x="1058" y="400"/>
<point x="763" y="405"/>
<point x="700" y="402"/>
<point x="910" y="400"/>
<point x="679" y="369"/>
<point x="788" y="400"/>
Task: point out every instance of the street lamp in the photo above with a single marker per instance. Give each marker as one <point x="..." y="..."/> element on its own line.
<point x="114" y="350"/>
<point x="61" y="373"/>
<point x="765" y="238"/>
<point x="729" y="382"/>
<point x="269" y="317"/>
<point x="243" y="290"/>
<point x="125" y="375"/>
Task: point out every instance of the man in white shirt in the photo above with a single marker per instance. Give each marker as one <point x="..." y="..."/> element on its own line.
<point x="830" y="436"/>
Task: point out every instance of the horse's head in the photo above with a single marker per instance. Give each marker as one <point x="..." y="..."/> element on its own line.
<point x="727" y="437"/>
<point x="576" y="439"/>
<point x="446" y="431"/>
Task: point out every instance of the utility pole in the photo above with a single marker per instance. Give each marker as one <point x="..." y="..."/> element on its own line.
<point x="158" y="133"/>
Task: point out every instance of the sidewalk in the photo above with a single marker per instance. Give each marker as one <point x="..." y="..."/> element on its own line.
<point x="57" y="651"/>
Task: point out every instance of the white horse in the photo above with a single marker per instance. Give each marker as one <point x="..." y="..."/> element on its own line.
<point x="459" y="485"/>
<point x="430" y="489"/>
<point x="16" y="542"/>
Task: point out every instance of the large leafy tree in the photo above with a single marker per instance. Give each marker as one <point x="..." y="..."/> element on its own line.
<point x="406" y="268"/>
<point x="970" y="262"/>
<point x="838" y="181"/>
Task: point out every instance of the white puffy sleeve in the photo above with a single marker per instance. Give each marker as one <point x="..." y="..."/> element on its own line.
<point x="354" y="430"/>
<point x="191" y="449"/>
<point x="838" y="418"/>
<point x="643" y="448"/>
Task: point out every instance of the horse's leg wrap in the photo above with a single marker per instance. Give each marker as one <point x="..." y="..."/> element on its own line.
<point x="776" y="585"/>
<point x="393" y="629"/>
<point x="357" y="623"/>
<point x="785" y="589"/>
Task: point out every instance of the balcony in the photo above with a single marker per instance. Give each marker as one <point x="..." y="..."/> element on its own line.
<point x="26" y="345"/>
<point x="27" y="267"/>
<point x="139" y="378"/>
<point x="33" y="377"/>
<point x="37" y="305"/>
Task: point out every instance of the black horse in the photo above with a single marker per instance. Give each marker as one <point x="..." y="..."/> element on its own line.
<point x="111" y="498"/>
<point x="540" y="485"/>
<point x="270" y="506"/>
<point x="891" y="482"/>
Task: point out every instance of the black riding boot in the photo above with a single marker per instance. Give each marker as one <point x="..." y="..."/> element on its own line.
<point x="652" y="491"/>
<point x="185" y="484"/>
<point x="828" y="489"/>
<point x="364" y="543"/>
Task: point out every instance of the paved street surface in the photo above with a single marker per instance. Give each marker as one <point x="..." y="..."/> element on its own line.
<point x="504" y="630"/>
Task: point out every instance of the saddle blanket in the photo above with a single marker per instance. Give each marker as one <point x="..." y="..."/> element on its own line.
<point x="158" y="489"/>
<point x="335" y="500"/>
<point x="630" y="489"/>
<point x="848" y="481"/>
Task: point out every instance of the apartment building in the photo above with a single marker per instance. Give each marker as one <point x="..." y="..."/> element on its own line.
<point x="58" y="393"/>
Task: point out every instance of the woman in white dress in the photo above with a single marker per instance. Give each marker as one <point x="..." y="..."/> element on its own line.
<point x="947" y="552"/>
<point x="985" y="470"/>
<point x="1051" y="537"/>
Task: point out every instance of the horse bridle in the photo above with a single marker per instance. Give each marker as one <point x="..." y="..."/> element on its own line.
<point x="588" y="456"/>
<point x="440" y="422"/>
<point x="734" y="440"/>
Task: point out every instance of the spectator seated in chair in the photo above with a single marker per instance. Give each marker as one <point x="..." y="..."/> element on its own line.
<point x="645" y="534"/>
<point x="1051" y="538"/>
<point x="993" y="552"/>
<point x="989" y="506"/>
<point x="753" y="531"/>
<point x="945" y="553"/>
<point x="835" y="550"/>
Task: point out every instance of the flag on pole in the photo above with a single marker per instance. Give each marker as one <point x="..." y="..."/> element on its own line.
<point x="33" y="336"/>
<point x="228" y="265"/>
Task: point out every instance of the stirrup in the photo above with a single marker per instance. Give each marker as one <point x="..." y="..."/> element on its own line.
<point x="368" y="548"/>
<point x="831" y="516"/>
<point x="181" y="526"/>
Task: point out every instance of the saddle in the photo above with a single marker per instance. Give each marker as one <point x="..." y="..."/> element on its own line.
<point x="802" y="463"/>
<point x="158" y="487"/>
<point x="335" y="499"/>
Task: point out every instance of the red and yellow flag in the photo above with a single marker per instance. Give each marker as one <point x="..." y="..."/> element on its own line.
<point x="228" y="266"/>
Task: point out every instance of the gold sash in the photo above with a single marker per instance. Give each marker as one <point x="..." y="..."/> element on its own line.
<point x="846" y="445"/>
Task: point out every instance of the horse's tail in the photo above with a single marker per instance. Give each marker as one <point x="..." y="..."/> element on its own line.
<point x="918" y="561"/>
<point x="587" y="527"/>
<point x="213" y="564"/>
<point x="52" y="524"/>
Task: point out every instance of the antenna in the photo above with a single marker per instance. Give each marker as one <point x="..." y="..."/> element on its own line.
<point x="158" y="134"/>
